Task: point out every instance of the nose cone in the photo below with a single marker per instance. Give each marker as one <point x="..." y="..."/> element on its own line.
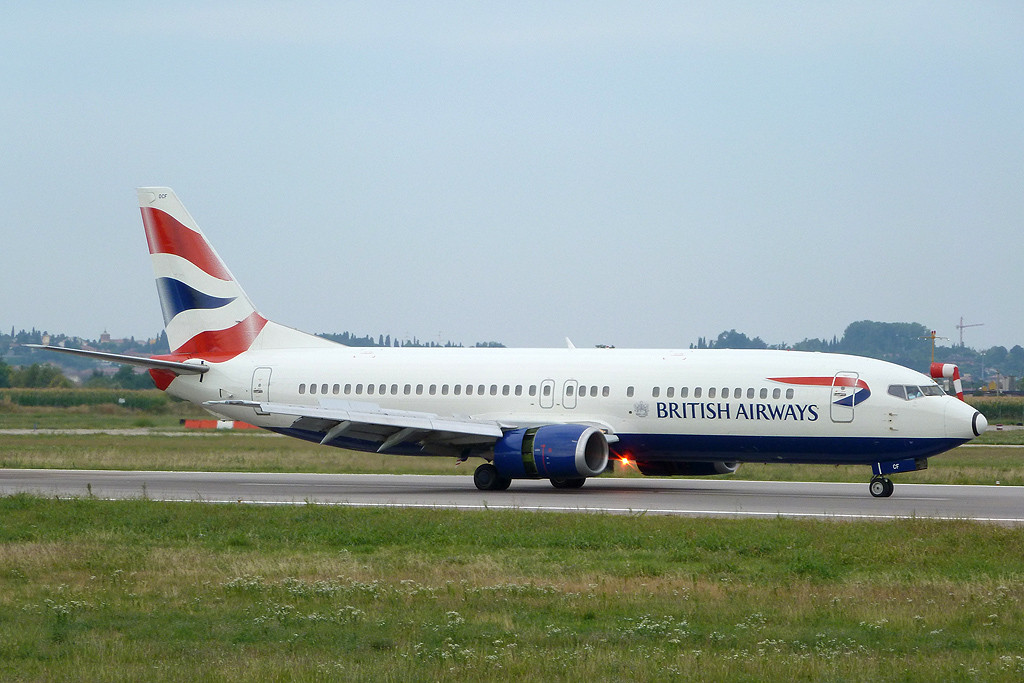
<point x="980" y="423"/>
<point x="963" y="421"/>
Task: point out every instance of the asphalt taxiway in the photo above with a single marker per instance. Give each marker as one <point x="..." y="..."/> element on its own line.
<point x="690" y="497"/>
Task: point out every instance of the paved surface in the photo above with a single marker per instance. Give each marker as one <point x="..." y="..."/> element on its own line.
<point x="1000" y="504"/>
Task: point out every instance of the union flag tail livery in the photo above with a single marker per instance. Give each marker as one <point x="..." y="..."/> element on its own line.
<point x="558" y="414"/>
<point x="206" y="312"/>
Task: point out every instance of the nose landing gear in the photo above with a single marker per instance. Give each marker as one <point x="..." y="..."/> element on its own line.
<point x="881" y="487"/>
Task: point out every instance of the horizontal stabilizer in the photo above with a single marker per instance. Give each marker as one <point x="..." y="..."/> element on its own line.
<point x="138" y="361"/>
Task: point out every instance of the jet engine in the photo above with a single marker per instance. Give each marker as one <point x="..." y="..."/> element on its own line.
<point x="670" y="468"/>
<point x="555" y="452"/>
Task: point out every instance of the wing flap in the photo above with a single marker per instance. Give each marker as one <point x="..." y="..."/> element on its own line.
<point x="368" y="422"/>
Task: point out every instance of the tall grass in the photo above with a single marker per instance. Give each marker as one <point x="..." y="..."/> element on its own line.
<point x="65" y="398"/>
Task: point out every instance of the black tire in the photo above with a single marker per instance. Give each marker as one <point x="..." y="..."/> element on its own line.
<point x="487" y="478"/>
<point x="568" y="482"/>
<point x="881" y="487"/>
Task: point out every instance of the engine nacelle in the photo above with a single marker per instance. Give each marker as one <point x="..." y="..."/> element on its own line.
<point x="552" y="452"/>
<point x="691" y="469"/>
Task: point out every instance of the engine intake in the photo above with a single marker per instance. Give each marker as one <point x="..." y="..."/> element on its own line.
<point x="551" y="452"/>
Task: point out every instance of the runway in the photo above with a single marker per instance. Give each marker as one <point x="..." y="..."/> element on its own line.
<point x="689" y="497"/>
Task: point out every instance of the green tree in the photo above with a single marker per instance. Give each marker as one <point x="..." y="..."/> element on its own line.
<point x="40" y="376"/>
<point x="127" y="378"/>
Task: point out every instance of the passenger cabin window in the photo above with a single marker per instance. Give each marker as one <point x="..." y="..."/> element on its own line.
<point x="696" y="392"/>
<point x="629" y="392"/>
<point x="533" y="390"/>
<point x="336" y="389"/>
<point x="302" y="388"/>
<point x="776" y="393"/>
<point x="348" y="388"/>
<point x="750" y="393"/>
<point x="419" y="390"/>
<point x="359" y="388"/>
<point x="725" y="392"/>
<point x="469" y="390"/>
<point x="789" y="393"/>
<point x="370" y="388"/>
<point x="547" y="389"/>
<point x="655" y="392"/>
<point x="519" y="390"/>
<point x="711" y="392"/>
<point x="684" y="392"/>
<point x="764" y="392"/>
<point x="505" y="389"/>
<point x="408" y="389"/>
<point x="457" y="389"/>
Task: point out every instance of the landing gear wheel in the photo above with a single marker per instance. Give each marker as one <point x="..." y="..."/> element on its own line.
<point x="881" y="487"/>
<point x="487" y="478"/>
<point x="569" y="483"/>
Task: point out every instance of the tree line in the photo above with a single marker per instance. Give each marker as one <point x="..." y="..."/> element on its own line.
<point x="907" y="344"/>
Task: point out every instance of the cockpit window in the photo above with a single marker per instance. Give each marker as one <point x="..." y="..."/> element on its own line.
<point x="909" y="392"/>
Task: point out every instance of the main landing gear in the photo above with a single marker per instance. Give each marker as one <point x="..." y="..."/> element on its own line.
<point x="881" y="487"/>
<point x="487" y="478"/>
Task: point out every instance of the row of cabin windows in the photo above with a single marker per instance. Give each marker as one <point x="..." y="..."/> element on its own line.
<point x="715" y="392"/>
<point x="445" y="389"/>
<point x="517" y="390"/>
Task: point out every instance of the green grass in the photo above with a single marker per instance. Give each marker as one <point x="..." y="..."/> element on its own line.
<point x="143" y="590"/>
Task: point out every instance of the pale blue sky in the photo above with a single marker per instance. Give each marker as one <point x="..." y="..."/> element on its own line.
<point x="640" y="176"/>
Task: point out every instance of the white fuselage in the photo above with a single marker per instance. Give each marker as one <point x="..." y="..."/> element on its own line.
<point x="763" y="406"/>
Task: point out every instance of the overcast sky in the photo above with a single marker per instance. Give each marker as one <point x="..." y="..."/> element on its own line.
<point x="638" y="174"/>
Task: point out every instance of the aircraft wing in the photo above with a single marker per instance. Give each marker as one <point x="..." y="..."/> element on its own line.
<point x="367" y="421"/>
<point x="437" y="435"/>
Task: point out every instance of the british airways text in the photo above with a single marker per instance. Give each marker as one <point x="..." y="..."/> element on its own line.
<point x="738" y="411"/>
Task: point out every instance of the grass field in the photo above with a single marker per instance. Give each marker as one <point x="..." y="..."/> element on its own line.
<point x="140" y="590"/>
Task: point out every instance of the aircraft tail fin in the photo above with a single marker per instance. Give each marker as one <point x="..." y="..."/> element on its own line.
<point x="206" y="312"/>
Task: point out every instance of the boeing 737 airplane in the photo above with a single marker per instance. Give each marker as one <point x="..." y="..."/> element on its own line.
<point x="558" y="414"/>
